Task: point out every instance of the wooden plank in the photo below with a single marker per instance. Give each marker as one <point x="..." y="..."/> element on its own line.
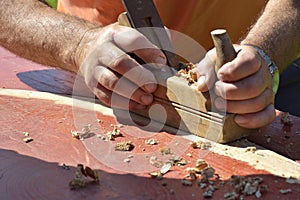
<point x="59" y="81"/>
<point x="34" y="170"/>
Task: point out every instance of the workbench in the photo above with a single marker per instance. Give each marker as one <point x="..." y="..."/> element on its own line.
<point x="47" y="104"/>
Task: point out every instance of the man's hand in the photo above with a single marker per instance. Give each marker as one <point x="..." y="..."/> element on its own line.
<point x="114" y="77"/>
<point x="244" y="86"/>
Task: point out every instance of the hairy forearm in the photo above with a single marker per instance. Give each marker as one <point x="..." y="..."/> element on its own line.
<point x="277" y="31"/>
<point x="35" y="31"/>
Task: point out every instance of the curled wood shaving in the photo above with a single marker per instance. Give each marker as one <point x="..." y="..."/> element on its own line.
<point x="111" y="135"/>
<point x="124" y="146"/>
<point x="188" y="73"/>
<point x="84" y="133"/>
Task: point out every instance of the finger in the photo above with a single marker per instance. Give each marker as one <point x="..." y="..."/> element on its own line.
<point x="206" y="73"/>
<point x="115" y="100"/>
<point x="258" y="119"/>
<point x="130" y="40"/>
<point x="246" y="63"/>
<point x="246" y="106"/>
<point x="120" y="62"/>
<point x="121" y="86"/>
<point x="246" y="88"/>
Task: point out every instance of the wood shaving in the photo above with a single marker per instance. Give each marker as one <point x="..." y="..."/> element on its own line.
<point x="165" y="150"/>
<point x="124" y="146"/>
<point x="292" y="180"/>
<point x="116" y="132"/>
<point x="26" y="134"/>
<point x="130" y="156"/>
<point x="286" y="119"/>
<point x="208" y="173"/>
<point x="208" y="193"/>
<point x="201" y="164"/>
<point x="192" y="174"/>
<point x="188" y="73"/>
<point x="285" y="191"/>
<point x="182" y="163"/>
<point x="28" y="139"/>
<point x="66" y="167"/>
<point x="117" y="125"/>
<point x="151" y="141"/>
<point x="83" y="177"/>
<point x="165" y="168"/>
<point x="202" y="185"/>
<point x="84" y="133"/>
<point x="250" y="186"/>
<point x="156" y="175"/>
<point x="186" y="182"/>
<point x="231" y="196"/>
<point x="154" y="161"/>
<point x="201" y="145"/>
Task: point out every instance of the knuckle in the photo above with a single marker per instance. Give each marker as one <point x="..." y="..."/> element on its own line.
<point x="251" y="59"/>
<point x="252" y="88"/>
<point x="103" y="97"/>
<point x="107" y="79"/>
<point x="110" y="82"/>
<point x="120" y="62"/>
<point x="139" y="38"/>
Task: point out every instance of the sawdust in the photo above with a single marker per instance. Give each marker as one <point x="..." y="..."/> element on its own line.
<point x="256" y="156"/>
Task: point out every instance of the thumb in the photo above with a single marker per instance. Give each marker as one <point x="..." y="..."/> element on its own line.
<point x="206" y="73"/>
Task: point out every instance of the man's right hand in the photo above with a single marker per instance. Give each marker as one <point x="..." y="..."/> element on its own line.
<point x="112" y="75"/>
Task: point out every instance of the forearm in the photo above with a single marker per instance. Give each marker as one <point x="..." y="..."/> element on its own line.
<point x="277" y="32"/>
<point x="35" y="31"/>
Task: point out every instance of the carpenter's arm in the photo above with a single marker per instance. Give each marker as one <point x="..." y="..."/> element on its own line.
<point x="277" y="32"/>
<point x="34" y="31"/>
<point x="37" y="32"/>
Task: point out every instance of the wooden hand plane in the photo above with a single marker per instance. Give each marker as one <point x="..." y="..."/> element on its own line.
<point x="176" y="103"/>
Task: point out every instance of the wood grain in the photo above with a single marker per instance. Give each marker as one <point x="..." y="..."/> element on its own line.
<point x="33" y="170"/>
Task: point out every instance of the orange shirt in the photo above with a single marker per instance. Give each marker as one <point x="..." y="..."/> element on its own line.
<point x="195" y="18"/>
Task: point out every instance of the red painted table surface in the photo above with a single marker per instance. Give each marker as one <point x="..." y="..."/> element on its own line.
<point x="33" y="170"/>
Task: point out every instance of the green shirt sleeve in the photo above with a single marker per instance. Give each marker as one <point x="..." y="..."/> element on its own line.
<point x="52" y="3"/>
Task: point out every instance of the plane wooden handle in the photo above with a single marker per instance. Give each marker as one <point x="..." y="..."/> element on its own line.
<point x="224" y="48"/>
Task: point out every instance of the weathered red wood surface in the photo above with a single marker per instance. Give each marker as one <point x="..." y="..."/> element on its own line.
<point x="33" y="170"/>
